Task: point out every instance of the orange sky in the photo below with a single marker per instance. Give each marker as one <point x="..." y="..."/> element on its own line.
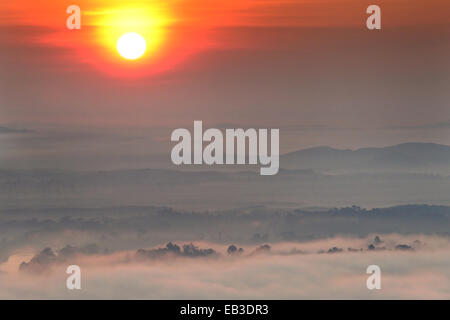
<point x="175" y="29"/>
<point x="290" y="62"/>
<point x="180" y="28"/>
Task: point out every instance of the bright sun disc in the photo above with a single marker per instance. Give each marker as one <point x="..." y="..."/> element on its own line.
<point x="131" y="45"/>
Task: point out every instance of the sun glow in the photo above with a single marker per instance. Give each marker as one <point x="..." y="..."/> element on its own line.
<point x="173" y="30"/>
<point x="134" y="32"/>
<point x="131" y="45"/>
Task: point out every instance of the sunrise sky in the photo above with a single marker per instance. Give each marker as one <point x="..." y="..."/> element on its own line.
<point x="310" y="68"/>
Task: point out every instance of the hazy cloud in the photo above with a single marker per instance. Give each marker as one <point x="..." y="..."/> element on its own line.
<point x="428" y="126"/>
<point x="6" y="130"/>
<point x="416" y="274"/>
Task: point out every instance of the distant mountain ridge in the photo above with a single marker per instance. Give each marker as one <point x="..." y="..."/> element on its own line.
<point x="403" y="156"/>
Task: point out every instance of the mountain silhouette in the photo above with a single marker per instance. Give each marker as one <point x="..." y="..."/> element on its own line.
<point x="426" y="156"/>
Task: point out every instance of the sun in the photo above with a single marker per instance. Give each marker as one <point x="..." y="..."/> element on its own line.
<point x="131" y="45"/>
